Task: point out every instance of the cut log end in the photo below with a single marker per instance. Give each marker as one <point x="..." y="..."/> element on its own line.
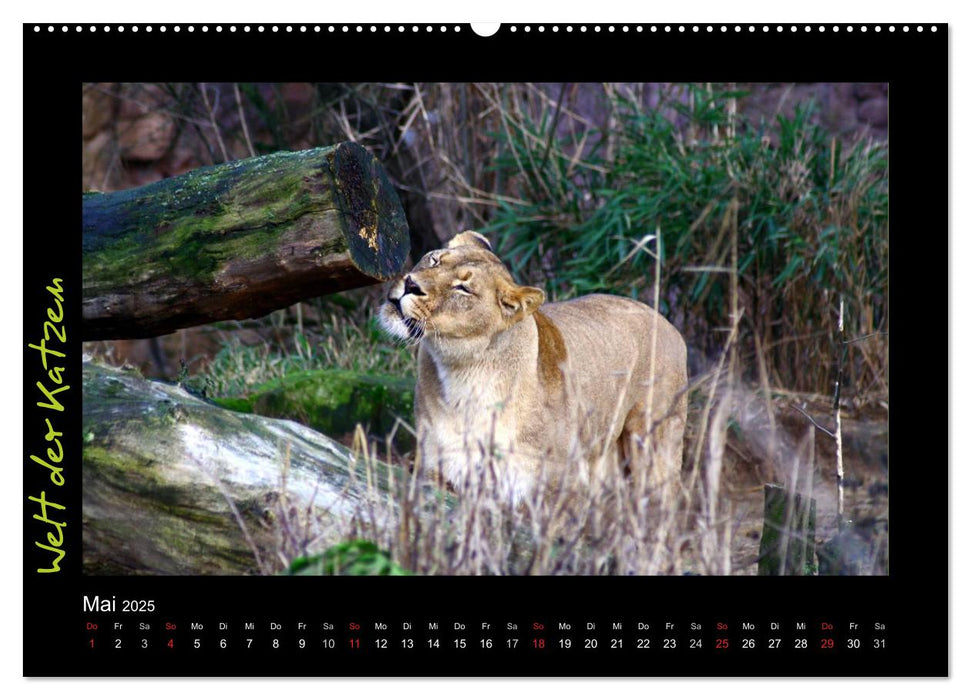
<point x="373" y="220"/>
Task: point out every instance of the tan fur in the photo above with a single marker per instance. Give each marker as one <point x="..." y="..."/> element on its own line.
<point x="539" y="391"/>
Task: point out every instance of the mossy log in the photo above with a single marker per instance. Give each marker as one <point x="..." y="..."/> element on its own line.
<point x="237" y="240"/>
<point x="173" y="484"/>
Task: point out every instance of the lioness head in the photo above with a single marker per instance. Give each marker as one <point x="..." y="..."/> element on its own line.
<point x="457" y="298"/>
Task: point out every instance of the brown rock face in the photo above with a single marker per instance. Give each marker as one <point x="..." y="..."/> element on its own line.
<point x="145" y="129"/>
<point x="146" y="138"/>
<point x="866" y="91"/>
<point x="97" y="109"/>
<point x="874" y="112"/>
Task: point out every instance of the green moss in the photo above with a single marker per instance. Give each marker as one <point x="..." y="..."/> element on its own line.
<point x="243" y="405"/>
<point x="334" y="402"/>
<point x="354" y="558"/>
<point x="191" y="226"/>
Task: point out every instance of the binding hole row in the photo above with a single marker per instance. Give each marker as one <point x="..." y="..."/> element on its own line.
<point x="414" y="28"/>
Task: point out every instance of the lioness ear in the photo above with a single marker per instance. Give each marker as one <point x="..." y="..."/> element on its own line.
<point x="519" y="302"/>
<point x="470" y="238"/>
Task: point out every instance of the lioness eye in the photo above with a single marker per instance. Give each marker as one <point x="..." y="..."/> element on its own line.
<point x="461" y="288"/>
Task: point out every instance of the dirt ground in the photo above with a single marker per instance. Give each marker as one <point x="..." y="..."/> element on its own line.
<point x="866" y="481"/>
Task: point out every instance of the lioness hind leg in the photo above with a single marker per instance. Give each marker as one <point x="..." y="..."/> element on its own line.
<point x="637" y="450"/>
<point x="670" y="449"/>
<point x="654" y="457"/>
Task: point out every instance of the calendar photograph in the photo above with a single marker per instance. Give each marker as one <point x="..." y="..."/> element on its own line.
<point x="485" y="328"/>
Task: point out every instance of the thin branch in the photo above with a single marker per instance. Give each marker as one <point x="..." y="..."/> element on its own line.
<point x="839" y="423"/>
<point x="556" y="119"/>
<point x="864" y="337"/>
<point x="242" y="120"/>
<point x="813" y="421"/>
<point x="212" y="121"/>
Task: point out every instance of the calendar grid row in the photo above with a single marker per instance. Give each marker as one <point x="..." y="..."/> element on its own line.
<point x="536" y="636"/>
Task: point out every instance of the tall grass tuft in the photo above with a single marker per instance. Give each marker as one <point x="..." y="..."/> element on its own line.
<point x="812" y="225"/>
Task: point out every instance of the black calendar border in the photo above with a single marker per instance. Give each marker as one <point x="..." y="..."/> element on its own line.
<point x="913" y="598"/>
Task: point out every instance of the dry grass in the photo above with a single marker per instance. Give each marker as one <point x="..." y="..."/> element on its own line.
<point x="738" y="438"/>
<point x="595" y="522"/>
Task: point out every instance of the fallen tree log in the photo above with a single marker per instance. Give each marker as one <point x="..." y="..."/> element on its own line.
<point x="173" y="484"/>
<point x="237" y="240"/>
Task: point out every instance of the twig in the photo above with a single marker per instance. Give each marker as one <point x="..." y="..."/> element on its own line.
<point x="812" y="420"/>
<point x="839" y="431"/>
<point x="556" y="119"/>
<point x="242" y="120"/>
<point x="767" y="398"/>
<point x="864" y="337"/>
<point x="212" y="121"/>
<point x="640" y="245"/>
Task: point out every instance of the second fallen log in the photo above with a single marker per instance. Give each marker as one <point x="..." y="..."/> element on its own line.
<point x="237" y="240"/>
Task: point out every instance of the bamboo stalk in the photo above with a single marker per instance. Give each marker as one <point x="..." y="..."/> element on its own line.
<point x="839" y="430"/>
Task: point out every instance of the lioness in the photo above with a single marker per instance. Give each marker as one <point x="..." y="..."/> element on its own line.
<point x="531" y="388"/>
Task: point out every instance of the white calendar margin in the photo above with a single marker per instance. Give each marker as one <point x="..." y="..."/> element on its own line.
<point x="958" y="257"/>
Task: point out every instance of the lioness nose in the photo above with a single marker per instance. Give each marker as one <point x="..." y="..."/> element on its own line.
<point x="411" y="287"/>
